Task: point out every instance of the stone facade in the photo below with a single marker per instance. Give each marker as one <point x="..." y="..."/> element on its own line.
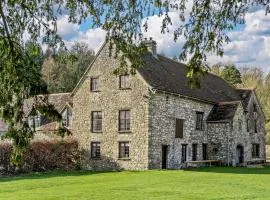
<point x="110" y="100"/>
<point x="153" y="123"/>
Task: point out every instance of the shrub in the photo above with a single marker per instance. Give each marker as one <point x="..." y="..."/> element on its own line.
<point x="43" y="156"/>
<point x="5" y="153"/>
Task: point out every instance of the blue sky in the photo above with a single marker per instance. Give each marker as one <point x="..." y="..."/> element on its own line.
<point x="249" y="46"/>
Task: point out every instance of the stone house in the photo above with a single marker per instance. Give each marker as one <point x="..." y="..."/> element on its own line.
<point x="153" y="120"/>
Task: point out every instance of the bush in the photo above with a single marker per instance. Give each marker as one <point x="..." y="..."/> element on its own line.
<point x="43" y="156"/>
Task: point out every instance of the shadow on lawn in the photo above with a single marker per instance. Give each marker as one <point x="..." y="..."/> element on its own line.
<point x="50" y="174"/>
<point x="232" y="170"/>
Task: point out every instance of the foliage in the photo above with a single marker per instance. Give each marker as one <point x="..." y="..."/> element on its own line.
<point x="61" y="74"/>
<point x="205" y="30"/>
<point x="42" y="156"/>
<point x="198" y="184"/>
<point x="255" y="78"/>
<point x="231" y="74"/>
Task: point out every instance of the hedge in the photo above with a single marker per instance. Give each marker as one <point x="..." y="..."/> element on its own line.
<point x="42" y="156"/>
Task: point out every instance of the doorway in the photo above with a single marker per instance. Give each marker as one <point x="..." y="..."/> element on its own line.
<point x="164" y="156"/>
<point x="239" y="155"/>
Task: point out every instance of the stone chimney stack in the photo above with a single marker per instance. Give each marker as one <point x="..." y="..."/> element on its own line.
<point x="151" y="46"/>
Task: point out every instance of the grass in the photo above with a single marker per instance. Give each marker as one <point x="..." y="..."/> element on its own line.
<point x="206" y="183"/>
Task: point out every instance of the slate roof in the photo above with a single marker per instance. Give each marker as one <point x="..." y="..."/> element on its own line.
<point x="223" y="112"/>
<point x="245" y="96"/>
<point x="167" y="75"/>
<point x="59" y="100"/>
<point x="50" y="127"/>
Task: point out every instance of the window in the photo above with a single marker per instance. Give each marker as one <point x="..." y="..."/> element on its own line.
<point x="199" y="120"/>
<point x="254" y="108"/>
<point x="34" y="121"/>
<point x="179" y="128"/>
<point x="95" y="149"/>
<point x="194" y="152"/>
<point x="94" y="84"/>
<point x="255" y="126"/>
<point x="124" y="82"/>
<point x="96" y="121"/>
<point x="124" y="120"/>
<point x="123" y="149"/>
<point x="239" y="125"/>
<point x="204" y="151"/>
<point x="255" y="150"/>
<point x="184" y="153"/>
<point x="66" y="117"/>
<point x="247" y="124"/>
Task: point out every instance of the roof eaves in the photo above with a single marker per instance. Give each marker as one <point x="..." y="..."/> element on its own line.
<point x="183" y="96"/>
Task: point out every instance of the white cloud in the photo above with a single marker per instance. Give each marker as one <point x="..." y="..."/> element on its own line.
<point x="249" y="46"/>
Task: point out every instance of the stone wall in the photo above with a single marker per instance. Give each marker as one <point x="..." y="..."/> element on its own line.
<point x="110" y="99"/>
<point x="240" y="135"/>
<point x="219" y="139"/>
<point x="163" y="110"/>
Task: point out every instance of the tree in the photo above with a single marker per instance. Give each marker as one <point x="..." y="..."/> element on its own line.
<point x="205" y="30"/>
<point x="62" y="75"/>
<point x="231" y="74"/>
<point x="254" y="78"/>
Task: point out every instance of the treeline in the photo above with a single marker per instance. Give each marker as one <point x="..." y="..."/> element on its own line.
<point x="252" y="77"/>
<point x="62" y="70"/>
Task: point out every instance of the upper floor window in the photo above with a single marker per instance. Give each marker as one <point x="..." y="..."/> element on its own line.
<point x="95" y="149"/>
<point x="255" y="125"/>
<point x="123" y="149"/>
<point x="248" y="121"/>
<point x="34" y="121"/>
<point x="254" y="107"/>
<point x="94" y="84"/>
<point x="239" y="125"/>
<point x="255" y="150"/>
<point x="96" y="121"/>
<point x="124" y="82"/>
<point x="199" y="120"/>
<point x="124" y="120"/>
<point x="66" y="118"/>
<point x="179" y="128"/>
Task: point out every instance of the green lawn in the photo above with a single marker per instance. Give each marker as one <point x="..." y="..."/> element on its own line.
<point x="206" y="183"/>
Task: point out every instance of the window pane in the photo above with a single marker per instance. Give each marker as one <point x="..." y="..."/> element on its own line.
<point x="184" y="152"/>
<point x="95" y="149"/>
<point x="199" y="120"/>
<point x="97" y="121"/>
<point x="124" y="120"/>
<point x="123" y="149"/>
<point x="124" y="81"/>
<point x="94" y="84"/>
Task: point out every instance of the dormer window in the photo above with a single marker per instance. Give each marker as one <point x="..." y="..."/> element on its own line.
<point x="124" y="82"/>
<point x="94" y="87"/>
<point x="254" y="108"/>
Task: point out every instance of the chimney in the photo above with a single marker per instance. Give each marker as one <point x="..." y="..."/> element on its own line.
<point x="151" y="46"/>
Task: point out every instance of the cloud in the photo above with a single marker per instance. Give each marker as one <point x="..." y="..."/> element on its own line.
<point x="249" y="44"/>
<point x="71" y="33"/>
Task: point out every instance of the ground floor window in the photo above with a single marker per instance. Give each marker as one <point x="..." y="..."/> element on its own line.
<point x="255" y="150"/>
<point x="124" y="149"/>
<point x="95" y="149"/>
<point x="204" y="151"/>
<point x="184" y="153"/>
<point x="194" y="152"/>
